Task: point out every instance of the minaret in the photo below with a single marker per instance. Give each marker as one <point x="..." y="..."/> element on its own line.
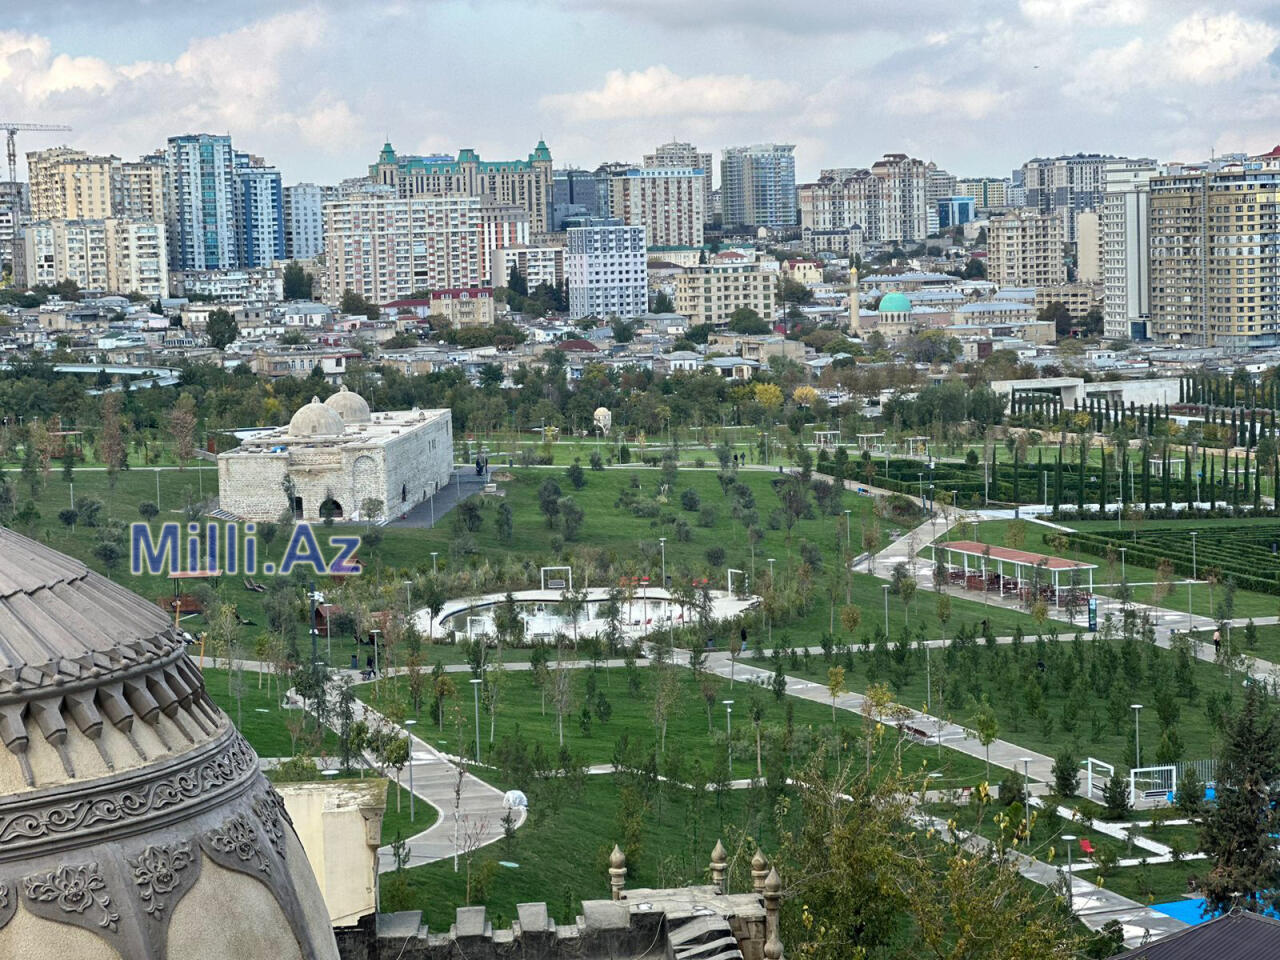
<point x="854" y="309"/>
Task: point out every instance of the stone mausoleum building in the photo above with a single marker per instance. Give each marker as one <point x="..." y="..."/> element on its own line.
<point x="337" y="452"/>
<point x="135" y="823"/>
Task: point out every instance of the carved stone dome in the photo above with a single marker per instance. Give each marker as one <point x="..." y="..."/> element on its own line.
<point x="315" y="420"/>
<point x="349" y="405"/>
<point x="123" y="788"/>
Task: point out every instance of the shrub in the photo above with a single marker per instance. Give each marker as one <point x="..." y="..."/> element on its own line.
<point x="715" y="556"/>
<point x="690" y="500"/>
<point x="707" y="517"/>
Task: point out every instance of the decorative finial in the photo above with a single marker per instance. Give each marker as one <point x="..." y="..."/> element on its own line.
<point x="772" y="901"/>
<point x="719" y="866"/>
<point x="759" y="870"/>
<point x="617" y="872"/>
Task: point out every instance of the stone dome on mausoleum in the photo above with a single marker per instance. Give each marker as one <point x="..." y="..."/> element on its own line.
<point x="134" y="819"/>
<point x="315" y="419"/>
<point x="894" y="303"/>
<point x="349" y="405"/>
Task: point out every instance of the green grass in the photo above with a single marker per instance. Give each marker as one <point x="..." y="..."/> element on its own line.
<point x="1164" y="882"/>
<point x="689" y="737"/>
<point x="1005" y="675"/>
<point x="396" y="822"/>
<point x="259" y="715"/>
<point x="562" y="852"/>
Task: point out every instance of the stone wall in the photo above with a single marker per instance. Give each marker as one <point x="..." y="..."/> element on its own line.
<point x="249" y="486"/>
<point x="418" y="462"/>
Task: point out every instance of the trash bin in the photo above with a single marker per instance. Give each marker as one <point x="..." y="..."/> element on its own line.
<point x="354" y="664"/>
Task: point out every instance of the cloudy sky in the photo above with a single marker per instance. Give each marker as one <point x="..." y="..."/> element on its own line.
<point x="977" y="87"/>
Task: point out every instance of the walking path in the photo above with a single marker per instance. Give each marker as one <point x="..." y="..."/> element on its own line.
<point x="1095" y="906"/>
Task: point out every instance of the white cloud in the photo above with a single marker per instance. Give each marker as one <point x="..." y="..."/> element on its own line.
<point x="921" y="98"/>
<point x="660" y="92"/>
<point x="1217" y="48"/>
<point x="1092" y="12"/>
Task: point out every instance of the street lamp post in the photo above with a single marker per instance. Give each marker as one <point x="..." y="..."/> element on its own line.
<point x="885" y="587"/>
<point x="434" y="554"/>
<point x="848" y="532"/>
<point x="1123" y="551"/>
<point x="408" y="596"/>
<point x="1137" y="752"/>
<point x="728" y="731"/>
<point x="409" y="734"/>
<point x="662" y="543"/>
<point x="475" y="696"/>
<point x="1026" y="795"/>
<point x="1069" y="839"/>
<point x="1194" y="576"/>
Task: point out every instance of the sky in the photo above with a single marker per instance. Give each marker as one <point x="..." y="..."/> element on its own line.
<point x="315" y="87"/>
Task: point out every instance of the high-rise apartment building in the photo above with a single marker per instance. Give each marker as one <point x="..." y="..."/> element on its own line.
<point x="259" y="212"/>
<point x="1025" y="249"/>
<point x="758" y="186"/>
<point x="938" y="185"/>
<point x="385" y="247"/>
<point x="987" y="192"/>
<point x="1088" y="247"/>
<point x="13" y="211"/>
<point x="304" y="219"/>
<point x="904" y="195"/>
<point x="668" y="201"/>
<point x="200" y="216"/>
<point x="606" y="269"/>
<point x="712" y="292"/>
<point x="502" y="225"/>
<point x="1214" y="276"/>
<point x="142" y="189"/>
<point x="1068" y="184"/>
<point x="69" y="184"/>
<point x="537" y="264"/>
<point x="889" y="201"/>
<point x="109" y="255"/>
<point x="525" y="183"/>
<point x="1124" y="243"/>
<point x="678" y="154"/>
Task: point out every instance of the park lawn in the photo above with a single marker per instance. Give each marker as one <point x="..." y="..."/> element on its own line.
<point x="1187" y="836"/>
<point x="561" y="853"/>
<point x="701" y="445"/>
<point x="1153" y="883"/>
<point x="1267" y="647"/>
<point x="396" y="822"/>
<point x="1046" y="844"/>
<point x="259" y="716"/>
<point x="689" y="736"/>
<point x="1248" y="603"/>
<point x="992" y="677"/>
<point x="623" y="535"/>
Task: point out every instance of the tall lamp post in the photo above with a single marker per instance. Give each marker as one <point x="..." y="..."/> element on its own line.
<point x="409" y="733"/>
<point x="434" y="569"/>
<point x="475" y="696"/>
<point x="1026" y="795"/>
<point x="1194" y="533"/>
<point x="1069" y="839"/>
<point x="728" y="731"/>
<point x="1137" y="752"/>
<point x="408" y="596"/>
<point x="662" y="544"/>
<point x="885" y="587"/>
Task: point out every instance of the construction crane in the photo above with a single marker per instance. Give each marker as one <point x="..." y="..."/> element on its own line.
<point x="12" y="130"/>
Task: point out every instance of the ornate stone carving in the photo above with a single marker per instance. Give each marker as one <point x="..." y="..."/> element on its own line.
<point x="172" y="792"/>
<point x="157" y="872"/>
<point x="268" y="807"/>
<point x="237" y="838"/>
<point x="79" y="889"/>
<point x="8" y="902"/>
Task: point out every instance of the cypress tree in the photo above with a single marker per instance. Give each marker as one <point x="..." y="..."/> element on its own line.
<point x="1182" y="392"/>
<point x="1213" y="469"/>
<point x="1102" y="482"/>
<point x="1166" y="482"/>
<point x="1057" y="481"/>
<point x="1146" y="482"/>
<point x="1187" y="488"/>
<point x="1080" y="479"/>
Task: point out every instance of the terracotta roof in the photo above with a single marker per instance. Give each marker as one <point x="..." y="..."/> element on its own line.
<point x="975" y="549"/>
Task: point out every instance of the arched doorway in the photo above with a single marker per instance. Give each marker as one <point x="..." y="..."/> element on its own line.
<point x="330" y="509"/>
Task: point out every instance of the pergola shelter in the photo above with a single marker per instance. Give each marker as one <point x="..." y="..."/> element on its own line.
<point x="984" y="567"/>
<point x="869" y="441"/>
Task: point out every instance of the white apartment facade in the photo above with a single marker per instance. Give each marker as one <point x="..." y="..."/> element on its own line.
<point x="606" y="269"/>
<point x="1025" y="249"/>
<point x="1124" y="241"/>
<point x="537" y="264"/>
<point x="679" y="154"/>
<point x="304" y="219"/>
<point x="669" y="202"/>
<point x="385" y="247"/>
<point x="110" y="255"/>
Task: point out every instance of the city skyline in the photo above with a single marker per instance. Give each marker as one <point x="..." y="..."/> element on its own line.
<point x="977" y="95"/>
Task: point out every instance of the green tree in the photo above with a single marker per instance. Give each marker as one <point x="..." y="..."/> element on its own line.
<point x="221" y="329"/>
<point x="987" y="727"/>
<point x="1066" y="774"/>
<point x="297" y="282"/>
<point x="662" y="303"/>
<point x="746" y="320"/>
<point x="1238" y="826"/>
